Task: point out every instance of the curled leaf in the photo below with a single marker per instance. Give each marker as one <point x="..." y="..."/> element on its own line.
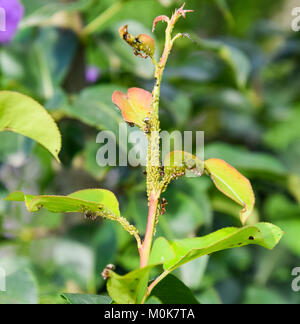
<point x="146" y="44"/>
<point x="92" y="203"/>
<point x="143" y="45"/>
<point x="233" y="184"/>
<point x="158" y="19"/>
<point x="135" y="106"/>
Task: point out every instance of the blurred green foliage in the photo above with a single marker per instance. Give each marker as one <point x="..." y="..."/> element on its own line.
<point x="238" y="81"/>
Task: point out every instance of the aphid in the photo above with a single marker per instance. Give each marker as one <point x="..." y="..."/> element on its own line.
<point x="189" y="163"/>
<point x="147" y="127"/>
<point x="90" y="215"/>
<point x="163" y="205"/>
<point x="162" y="171"/>
<point x="141" y="44"/>
<point x="105" y="272"/>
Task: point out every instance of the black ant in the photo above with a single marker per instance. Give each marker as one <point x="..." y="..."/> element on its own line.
<point x="163" y="205"/>
<point x="130" y="124"/>
<point x="147" y="122"/>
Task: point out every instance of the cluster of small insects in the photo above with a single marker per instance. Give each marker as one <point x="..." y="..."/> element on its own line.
<point x="105" y="272"/>
<point x="162" y="171"/>
<point x="90" y="215"/>
<point x="177" y="174"/>
<point x="140" y="44"/>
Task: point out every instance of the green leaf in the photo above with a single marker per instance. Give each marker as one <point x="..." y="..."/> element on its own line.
<point x="43" y="69"/>
<point x="21" y="289"/>
<point x="233" y="185"/>
<point x="263" y="296"/>
<point x="173" y="291"/>
<point x="94" y="107"/>
<point x="80" y="299"/>
<point x="263" y="234"/>
<point x="209" y="297"/>
<point x="153" y="301"/>
<point x="257" y="164"/>
<point x="234" y="57"/>
<point x="285" y="131"/>
<point x="192" y="272"/>
<point x="20" y="284"/>
<point x="292" y="229"/>
<point x="184" y="214"/>
<point x="23" y="115"/>
<point x="161" y="251"/>
<point x="130" y="288"/>
<point x="224" y="8"/>
<point x="223" y="205"/>
<point x="81" y="201"/>
<point x="92" y="202"/>
<point x="70" y="260"/>
<point x="44" y="11"/>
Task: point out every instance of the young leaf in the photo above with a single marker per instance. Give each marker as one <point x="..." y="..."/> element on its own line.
<point x="263" y="234"/>
<point x="135" y="106"/>
<point x="86" y="299"/>
<point x="92" y="202"/>
<point x="233" y="184"/>
<point x="130" y="288"/>
<point x="23" y="115"/>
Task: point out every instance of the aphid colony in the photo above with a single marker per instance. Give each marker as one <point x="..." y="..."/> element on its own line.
<point x="143" y="45"/>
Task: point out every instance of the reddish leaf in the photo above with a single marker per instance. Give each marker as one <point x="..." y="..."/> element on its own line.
<point x="135" y="106"/>
<point x="233" y="184"/>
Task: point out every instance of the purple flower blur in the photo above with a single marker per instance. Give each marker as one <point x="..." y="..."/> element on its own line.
<point x="13" y="12"/>
<point x="92" y="74"/>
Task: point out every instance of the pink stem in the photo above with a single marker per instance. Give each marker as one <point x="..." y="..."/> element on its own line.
<point x="146" y="246"/>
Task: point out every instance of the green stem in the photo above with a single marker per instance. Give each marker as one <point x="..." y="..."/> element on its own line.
<point x="153" y="284"/>
<point x="153" y="158"/>
<point x="102" y="18"/>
